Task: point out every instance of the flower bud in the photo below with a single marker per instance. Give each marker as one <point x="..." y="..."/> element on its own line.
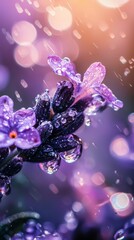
<point x="44" y="153"/>
<point x="67" y="122"/>
<point x="42" y="107"/>
<point x="45" y="130"/>
<point x="13" y="167"/>
<point x="64" y="143"/>
<point x="63" y="97"/>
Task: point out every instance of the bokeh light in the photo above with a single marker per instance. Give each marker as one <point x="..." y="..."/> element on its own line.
<point x="119" y="147"/>
<point x="98" y="178"/>
<point x="46" y="47"/>
<point x="24" y="33"/>
<point x="131" y="118"/>
<point x="113" y="3"/>
<point x="60" y="19"/>
<point x="122" y="203"/>
<point x="26" y="56"/>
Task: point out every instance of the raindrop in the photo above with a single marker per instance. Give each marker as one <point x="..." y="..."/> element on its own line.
<point x="77" y="34"/>
<point x="123" y="60"/>
<point x="127" y="71"/>
<point x="24" y="83"/>
<point x="18" y="8"/>
<point x="38" y="24"/>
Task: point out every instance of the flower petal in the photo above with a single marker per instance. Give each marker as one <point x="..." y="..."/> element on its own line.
<point x="108" y="95"/>
<point x="28" y="139"/>
<point x="4" y="125"/>
<point x="24" y="119"/>
<point x="64" y="67"/>
<point x="5" y="141"/>
<point x="6" y="106"/>
<point x="94" y="75"/>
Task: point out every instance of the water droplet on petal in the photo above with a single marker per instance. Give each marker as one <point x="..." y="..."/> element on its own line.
<point x="87" y="121"/>
<point x="50" y="167"/>
<point x="72" y="155"/>
<point x="94" y="75"/>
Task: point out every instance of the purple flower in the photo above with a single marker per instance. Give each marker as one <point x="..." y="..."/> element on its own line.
<point x="92" y="80"/>
<point x="64" y="67"/>
<point x="17" y="128"/>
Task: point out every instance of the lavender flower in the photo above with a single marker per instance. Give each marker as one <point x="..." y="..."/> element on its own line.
<point x="44" y="134"/>
<point x="91" y="84"/>
<point x="35" y="231"/>
<point x="17" y="128"/>
<point x="127" y="233"/>
<point x="56" y="123"/>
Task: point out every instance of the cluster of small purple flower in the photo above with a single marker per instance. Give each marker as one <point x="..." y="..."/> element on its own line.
<point x="127" y="233"/>
<point x="44" y="134"/>
<point x="35" y="231"/>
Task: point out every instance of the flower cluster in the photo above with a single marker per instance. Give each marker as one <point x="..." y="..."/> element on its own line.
<point x="127" y="233"/>
<point x="44" y="134"/>
<point x="73" y="227"/>
<point x="35" y="231"/>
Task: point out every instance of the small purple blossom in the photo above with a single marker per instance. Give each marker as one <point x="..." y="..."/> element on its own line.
<point x="92" y="80"/>
<point x="17" y="128"/>
<point x="64" y="67"/>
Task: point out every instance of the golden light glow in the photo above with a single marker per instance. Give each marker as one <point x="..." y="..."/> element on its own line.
<point x="113" y="3"/>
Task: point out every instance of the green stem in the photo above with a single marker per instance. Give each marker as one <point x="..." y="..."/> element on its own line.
<point x="7" y="160"/>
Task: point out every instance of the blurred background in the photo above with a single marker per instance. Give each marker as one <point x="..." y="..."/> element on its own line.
<point x="86" y="31"/>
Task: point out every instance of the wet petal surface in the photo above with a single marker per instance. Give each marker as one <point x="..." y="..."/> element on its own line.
<point x="28" y="139"/>
<point x="64" y="67"/>
<point x="24" y="119"/>
<point x="6" y="106"/>
<point x="94" y="75"/>
<point x="108" y="95"/>
<point x="5" y="140"/>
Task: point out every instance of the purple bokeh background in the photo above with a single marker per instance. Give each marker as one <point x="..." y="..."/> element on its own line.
<point x="53" y="195"/>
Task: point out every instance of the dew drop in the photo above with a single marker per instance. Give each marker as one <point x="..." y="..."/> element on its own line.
<point x="87" y="121"/>
<point x="63" y="120"/>
<point x="50" y="167"/>
<point x="57" y="124"/>
<point x="72" y="155"/>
